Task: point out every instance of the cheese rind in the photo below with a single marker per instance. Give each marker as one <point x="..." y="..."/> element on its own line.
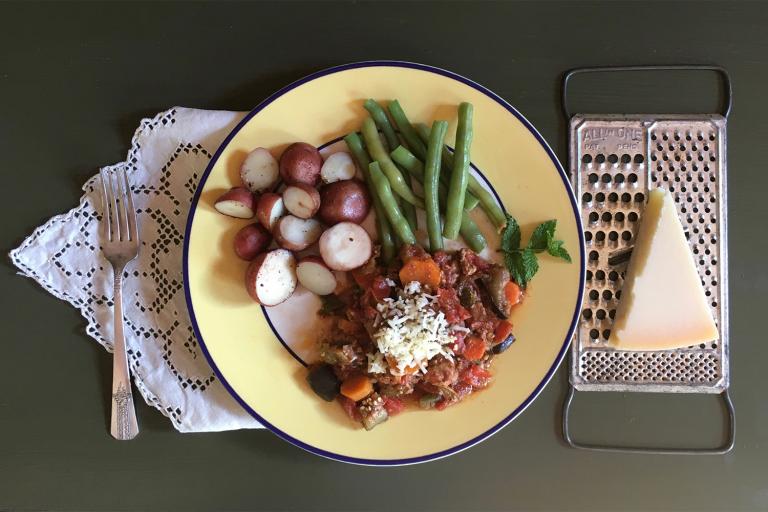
<point x="662" y="305"/>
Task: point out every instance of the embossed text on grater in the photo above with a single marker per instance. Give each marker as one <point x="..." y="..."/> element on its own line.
<point x="614" y="162"/>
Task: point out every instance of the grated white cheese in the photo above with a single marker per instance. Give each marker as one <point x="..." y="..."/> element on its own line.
<point x="412" y="331"/>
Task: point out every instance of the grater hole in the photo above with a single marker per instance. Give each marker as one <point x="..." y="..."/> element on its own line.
<point x="700" y="137"/>
<point x="632" y="217"/>
<point x="695" y="147"/>
<point x="626" y="197"/>
<point x="688" y="137"/>
<point x="665" y="137"/>
<point x="688" y="157"/>
<point x="613" y="236"/>
<point x="653" y="178"/>
<point x="671" y="147"/>
<point x="706" y="148"/>
<point x="600" y="236"/>
<point x="600" y="197"/>
<point x="712" y="158"/>
<point x="612" y="314"/>
<point x="600" y="158"/>
<point x="593" y="255"/>
<point x="606" y="334"/>
<point x="606" y="178"/>
<point x="619" y="217"/>
<point x="625" y="158"/>
<point x="626" y="236"/>
<point x="653" y="136"/>
<point x="606" y="217"/>
<point x="618" y="294"/>
<point x="593" y="216"/>
<point x="639" y="197"/>
<point x="594" y="295"/>
<point x="711" y="136"/>
<point x="659" y="147"/>
<point x="612" y="158"/>
<point x="600" y="275"/>
<point x="588" y="236"/>
<point x="586" y="159"/>
<point x="594" y="334"/>
<point x="653" y="158"/>
<point x="607" y="294"/>
<point x="589" y="275"/>
<point x="587" y="197"/>
<point x="600" y="314"/>
<point x="639" y="158"/>
<point x="619" y="178"/>
<point x="587" y="314"/>
<point x="677" y="158"/>
<point x="613" y="197"/>
<point x="632" y="178"/>
<point x="613" y="275"/>
<point x="592" y="178"/>
<point x="677" y="136"/>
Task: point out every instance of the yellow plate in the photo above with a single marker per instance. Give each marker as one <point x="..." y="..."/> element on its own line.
<point x="237" y="335"/>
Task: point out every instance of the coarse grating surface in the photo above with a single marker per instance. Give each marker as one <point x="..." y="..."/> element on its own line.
<point x="615" y="161"/>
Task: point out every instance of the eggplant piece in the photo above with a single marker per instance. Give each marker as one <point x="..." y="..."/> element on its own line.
<point x="323" y="382"/>
<point x="504" y="345"/>
<point x="494" y="283"/>
<point x="429" y="400"/>
<point x="468" y="296"/>
<point x="372" y="411"/>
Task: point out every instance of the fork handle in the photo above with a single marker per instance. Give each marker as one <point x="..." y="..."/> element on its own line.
<point x="123" y="425"/>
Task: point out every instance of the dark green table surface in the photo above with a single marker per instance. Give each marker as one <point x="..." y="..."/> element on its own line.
<point x="75" y="79"/>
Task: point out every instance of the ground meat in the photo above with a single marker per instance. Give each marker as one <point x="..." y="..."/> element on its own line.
<point x="408" y="252"/>
<point x="449" y="304"/>
<point x="483" y="322"/>
<point x="470" y="263"/>
<point x="441" y="372"/>
<point x="449" y="267"/>
<point x="405" y="387"/>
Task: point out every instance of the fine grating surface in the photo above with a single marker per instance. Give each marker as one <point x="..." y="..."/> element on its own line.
<point x="614" y="162"/>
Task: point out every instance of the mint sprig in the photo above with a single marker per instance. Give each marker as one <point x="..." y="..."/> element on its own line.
<point x="522" y="262"/>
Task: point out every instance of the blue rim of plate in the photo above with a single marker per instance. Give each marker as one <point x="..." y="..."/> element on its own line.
<point x="423" y="458"/>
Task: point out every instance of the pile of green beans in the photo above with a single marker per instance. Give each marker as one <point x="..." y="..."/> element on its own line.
<point x="450" y="190"/>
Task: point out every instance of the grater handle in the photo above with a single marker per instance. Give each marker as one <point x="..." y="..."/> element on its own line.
<point x="719" y="450"/>
<point x="728" y="91"/>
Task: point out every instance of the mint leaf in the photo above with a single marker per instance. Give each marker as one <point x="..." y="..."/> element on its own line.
<point x="556" y="249"/>
<point x="510" y="238"/>
<point x="541" y="235"/>
<point x="522" y="265"/>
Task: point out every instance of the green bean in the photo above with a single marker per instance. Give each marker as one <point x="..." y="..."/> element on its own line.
<point x="468" y="229"/>
<point x="432" y="185"/>
<point x="395" y="216"/>
<point x="382" y="122"/>
<point x="487" y="201"/>
<point x="378" y="153"/>
<point x="470" y="200"/>
<point x="386" y="240"/>
<point x="460" y="173"/>
<point x="412" y="139"/>
<point x="409" y="211"/>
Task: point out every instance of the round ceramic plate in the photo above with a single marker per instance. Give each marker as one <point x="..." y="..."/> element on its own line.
<point x="258" y="352"/>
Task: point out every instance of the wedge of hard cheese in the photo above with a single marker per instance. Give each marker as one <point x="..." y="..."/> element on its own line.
<point x="662" y="302"/>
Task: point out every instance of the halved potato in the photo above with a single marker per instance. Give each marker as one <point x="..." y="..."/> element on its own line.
<point x="271" y="278"/>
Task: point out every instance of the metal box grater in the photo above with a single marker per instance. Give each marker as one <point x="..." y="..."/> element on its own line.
<point x="614" y="161"/>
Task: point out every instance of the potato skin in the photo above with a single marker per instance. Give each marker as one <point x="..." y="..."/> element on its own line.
<point x="300" y="163"/>
<point x="344" y="201"/>
<point x="251" y="240"/>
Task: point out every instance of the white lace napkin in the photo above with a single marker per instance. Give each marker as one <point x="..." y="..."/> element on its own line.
<point x="167" y="157"/>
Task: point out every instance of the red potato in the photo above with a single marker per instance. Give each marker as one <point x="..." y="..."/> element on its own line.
<point x="300" y="163"/>
<point x="251" y="241"/>
<point x="345" y="246"/>
<point x="315" y="275"/>
<point x="338" y="167"/>
<point x="297" y="234"/>
<point x="271" y="278"/>
<point x="301" y="200"/>
<point x="237" y="202"/>
<point x="260" y="170"/>
<point x="269" y="209"/>
<point x="344" y="201"/>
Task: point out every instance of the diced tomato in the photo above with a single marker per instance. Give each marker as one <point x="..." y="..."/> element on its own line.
<point x="502" y="331"/>
<point x="393" y="405"/>
<point x="474" y="349"/>
<point x="380" y="289"/>
<point x="449" y="304"/>
<point x="350" y="407"/>
<point x="458" y="346"/>
<point x="475" y="376"/>
<point x="512" y="293"/>
<point x="362" y="276"/>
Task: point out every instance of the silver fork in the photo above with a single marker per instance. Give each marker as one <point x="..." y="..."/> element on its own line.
<point x="120" y="244"/>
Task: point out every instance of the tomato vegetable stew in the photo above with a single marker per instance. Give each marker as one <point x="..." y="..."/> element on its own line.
<point x="421" y="329"/>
